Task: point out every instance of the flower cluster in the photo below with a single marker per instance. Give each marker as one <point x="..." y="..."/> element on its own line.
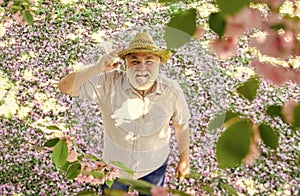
<point x="272" y="31"/>
<point x="96" y="173"/>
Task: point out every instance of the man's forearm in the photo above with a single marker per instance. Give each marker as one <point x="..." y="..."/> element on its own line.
<point x="185" y="155"/>
<point x="183" y="139"/>
<point x="71" y="83"/>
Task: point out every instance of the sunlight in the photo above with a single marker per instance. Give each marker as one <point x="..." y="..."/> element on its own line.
<point x="131" y="109"/>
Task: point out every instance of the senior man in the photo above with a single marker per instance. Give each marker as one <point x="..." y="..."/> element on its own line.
<point x="137" y="106"/>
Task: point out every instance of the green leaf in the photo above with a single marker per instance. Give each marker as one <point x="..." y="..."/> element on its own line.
<point x="249" y="88"/>
<point x="141" y="186"/>
<point x="268" y="136"/>
<point x="207" y="188"/>
<point x="298" y="161"/>
<point x="15" y="7"/>
<point x="178" y="192"/>
<point x="168" y="1"/>
<point x="109" y="183"/>
<point x="220" y="119"/>
<point x="180" y="28"/>
<point x="232" y="6"/>
<point x="122" y="166"/>
<point x="108" y="192"/>
<point x="233" y="144"/>
<point x="52" y="142"/>
<point x="229" y="188"/>
<point x="86" y="193"/>
<point x="65" y="166"/>
<point x="297" y="116"/>
<point x="274" y="110"/>
<point x="27" y="16"/>
<point x="278" y="26"/>
<point x="52" y="127"/>
<point x="217" y="23"/>
<point x="60" y="153"/>
<point x="73" y="171"/>
<point x="136" y="183"/>
<point x="98" y="174"/>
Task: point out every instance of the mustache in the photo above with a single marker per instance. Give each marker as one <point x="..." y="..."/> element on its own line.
<point x="142" y="73"/>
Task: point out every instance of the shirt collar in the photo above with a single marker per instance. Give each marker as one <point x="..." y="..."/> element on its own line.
<point x="157" y="89"/>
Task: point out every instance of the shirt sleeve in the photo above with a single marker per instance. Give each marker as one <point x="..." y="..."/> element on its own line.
<point x="96" y="88"/>
<point x="181" y="113"/>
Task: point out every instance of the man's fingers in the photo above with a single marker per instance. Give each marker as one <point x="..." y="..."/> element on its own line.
<point x="116" y="51"/>
<point x="180" y="179"/>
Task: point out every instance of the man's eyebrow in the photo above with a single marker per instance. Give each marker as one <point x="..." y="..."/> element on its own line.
<point x="132" y="57"/>
<point x="149" y="57"/>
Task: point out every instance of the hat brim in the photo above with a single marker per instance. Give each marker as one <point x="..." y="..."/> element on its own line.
<point x="165" y="55"/>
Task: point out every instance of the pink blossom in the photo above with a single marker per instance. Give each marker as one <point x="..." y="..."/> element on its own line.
<point x="81" y="178"/>
<point x="244" y="20"/>
<point x="19" y="18"/>
<point x="275" y="44"/>
<point x="159" y="191"/>
<point x="275" y="74"/>
<point x="199" y="32"/>
<point x="272" y="3"/>
<point x="72" y="156"/>
<point x="7" y="22"/>
<point x="294" y="75"/>
<point x="129" y="194"/>
<point x="288" y="110"/>
<point x="97" y="181"/>
<point x="9" y="4"/>
<point x="224" y="48"/>
<point x="1" y="1"/>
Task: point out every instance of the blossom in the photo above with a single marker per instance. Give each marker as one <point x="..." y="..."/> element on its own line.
<point x="237" y="25"/>
<point x="19" y="18"/>
<point x="224" y="47"/>
<point x="199" y="32"/>
<point x="276" y="44"/>
<point x="278" y="75"/>
<point x="72" y="156"/>
<point x="288" y="110"/>
<point x="159" y="191"/>
<point x="294" y="75"/>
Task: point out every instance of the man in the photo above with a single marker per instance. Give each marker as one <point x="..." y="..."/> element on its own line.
<point x="137" y="106"/>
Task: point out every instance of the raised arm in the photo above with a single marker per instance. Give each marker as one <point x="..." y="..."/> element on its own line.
<point x="71" y="83"/>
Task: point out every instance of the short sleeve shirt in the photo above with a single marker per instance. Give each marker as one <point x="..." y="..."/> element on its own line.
<point x="136" y="128"/>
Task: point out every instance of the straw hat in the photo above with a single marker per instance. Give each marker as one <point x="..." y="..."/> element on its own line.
<point x="143" y="43"/>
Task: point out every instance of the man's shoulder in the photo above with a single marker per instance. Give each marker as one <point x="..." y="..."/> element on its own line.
<point x="168" y="83"/>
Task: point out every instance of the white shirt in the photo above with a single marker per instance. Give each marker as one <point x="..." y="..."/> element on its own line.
<point x="136" y="128"/>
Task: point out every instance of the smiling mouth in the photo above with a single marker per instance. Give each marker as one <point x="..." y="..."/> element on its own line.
<point x="141" y="75"/>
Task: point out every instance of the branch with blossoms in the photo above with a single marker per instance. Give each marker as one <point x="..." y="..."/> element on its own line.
<point x="21" y="11"/>
<point x="273" y="34"/>
<point x="78" y="165"/>
<point x="87" y="168"/>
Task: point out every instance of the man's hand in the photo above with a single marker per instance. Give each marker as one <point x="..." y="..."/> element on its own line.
<point x="106" y="63"/>
<point x="183" y="169"/>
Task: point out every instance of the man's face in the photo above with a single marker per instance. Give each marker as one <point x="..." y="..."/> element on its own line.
<point x="142" y="70"/>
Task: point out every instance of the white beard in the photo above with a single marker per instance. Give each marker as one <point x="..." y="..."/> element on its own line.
<point x="145" y="84"/>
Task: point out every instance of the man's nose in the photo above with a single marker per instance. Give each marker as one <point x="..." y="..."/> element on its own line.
<point x="142" y="65"/>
